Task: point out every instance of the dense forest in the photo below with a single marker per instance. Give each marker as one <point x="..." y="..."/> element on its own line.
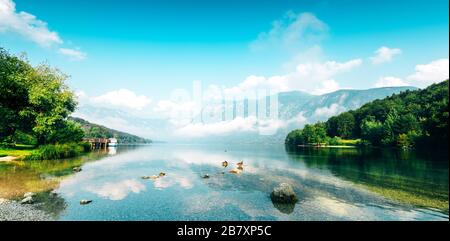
<point x="35" y="103"/>
<point x="97" y="131"/>
<point x="409" y="119"/>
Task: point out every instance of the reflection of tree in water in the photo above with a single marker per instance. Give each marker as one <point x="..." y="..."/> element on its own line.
<point x="415" y="172"/>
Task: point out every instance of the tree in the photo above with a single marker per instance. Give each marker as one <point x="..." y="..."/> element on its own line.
<point x="372" y="130"/>
<point x="411" y="118"/>
<point x="69" y="131"/>
<point x="405" y="123"/>
<point x="13" y="93"/>
<point x="345" y="124"/>
<point x="34" y="101"/>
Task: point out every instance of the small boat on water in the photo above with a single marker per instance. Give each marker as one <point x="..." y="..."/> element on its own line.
<point x="112" y="142"/>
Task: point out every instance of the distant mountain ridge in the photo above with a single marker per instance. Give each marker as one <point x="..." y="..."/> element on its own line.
<point x="346" y="99"/>
<point x="92" y="130"/>
<point x="291" y="105"/>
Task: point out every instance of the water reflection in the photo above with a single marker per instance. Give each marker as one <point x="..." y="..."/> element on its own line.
<point x="347" y="184"/>
<point x="415" y="177"/>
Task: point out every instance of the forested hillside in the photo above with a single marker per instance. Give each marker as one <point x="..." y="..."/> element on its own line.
<point x="411" y="118"/>
<point x="97" y="131"/>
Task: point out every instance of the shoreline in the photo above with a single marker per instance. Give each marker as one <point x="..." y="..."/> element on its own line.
<point x="8" y="158"/>
<point x="14" y="211"/>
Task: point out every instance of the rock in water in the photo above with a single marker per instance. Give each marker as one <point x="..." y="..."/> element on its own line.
<point x="235" y="171"/>
<point x="77" y="169"/>
<point x="83" y="202"/>
<point x="205" y="176"/>
<point x="284" y="193"/>
<point x="27" y="200"/>
<point x="28" y="194"/>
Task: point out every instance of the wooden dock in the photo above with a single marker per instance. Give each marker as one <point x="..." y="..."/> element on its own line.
<point x="98" y="143"/>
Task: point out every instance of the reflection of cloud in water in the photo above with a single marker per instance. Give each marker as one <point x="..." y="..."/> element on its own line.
<point x="204" y="203"/>
<point x="171" y="180"/>
<point x="118" y="190"/>
<point x="112" y="150"/>
<point x="335" y="207"/>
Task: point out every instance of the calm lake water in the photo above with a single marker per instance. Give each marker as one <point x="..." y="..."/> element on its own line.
<point x="332" y="184"/>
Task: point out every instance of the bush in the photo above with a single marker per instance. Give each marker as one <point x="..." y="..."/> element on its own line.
<point x="86" y="146"/>
<point x="59" y="151"/>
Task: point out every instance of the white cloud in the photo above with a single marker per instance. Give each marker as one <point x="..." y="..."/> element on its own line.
<point x="122" y="98"/>
<point x="327" y="86"/>
<point x="324" y="112"/>
<point x="435" y="71"/>
<point x="384" y="54"/>
<point x="219" y="128"/>
<point x="30" y="27"/>
<point x="177" y="112"/>
<point x="312" y="77"/>
<point x="26" y="24"/>
<point x="249" y="124"/>
<point x="118" y="191"/>
<point x="73" y="54"/>
<point x="389" y="81"/>
<point x="290" y="31"/>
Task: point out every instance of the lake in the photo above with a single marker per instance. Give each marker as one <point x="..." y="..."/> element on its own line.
<point x="331" y="184"/>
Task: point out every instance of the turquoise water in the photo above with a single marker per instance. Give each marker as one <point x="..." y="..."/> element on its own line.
<point x="331" y="184"/>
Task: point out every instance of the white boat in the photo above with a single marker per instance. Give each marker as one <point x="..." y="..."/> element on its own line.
<point x="112" y="142"/>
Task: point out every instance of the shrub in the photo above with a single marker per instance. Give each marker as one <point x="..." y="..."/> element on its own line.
<point x="59" y="151"/>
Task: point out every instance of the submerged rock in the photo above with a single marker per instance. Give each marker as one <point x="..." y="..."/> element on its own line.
<point x="27" y="200"/>
<point x="286" y="208"/>
<point x="28" y="194"/>
<point x="284" y="193"/>
<point x="235" y="171"/>
<point x="205" y="176"/>
<point x="153" y="177"/>
<point x="84" y="201"/>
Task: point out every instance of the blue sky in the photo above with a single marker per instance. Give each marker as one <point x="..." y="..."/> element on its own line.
<point x="150" y="48"/>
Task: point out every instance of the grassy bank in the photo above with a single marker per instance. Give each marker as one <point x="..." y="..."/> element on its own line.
<point x="45" y="152"/>
<point x="19" y="151"/>
<point x="59" y="151"/>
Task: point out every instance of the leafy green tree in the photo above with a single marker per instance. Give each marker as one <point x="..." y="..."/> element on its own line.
<point x="405" y="123"/>
<point x="34" y="101"/>
<point x="51" y="102"/>
<point x="345" y="124"/>
<point x="68" y="131"/>
<point x="372" y="130"/>
<point x="14" y="73"/>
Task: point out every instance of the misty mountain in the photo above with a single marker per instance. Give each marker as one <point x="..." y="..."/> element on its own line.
<point x="295" y="109"/>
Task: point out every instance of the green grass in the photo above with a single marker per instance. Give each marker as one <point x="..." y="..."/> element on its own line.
<point x="349" y="142"/>
<point x="45" y="152"/>
<point x="15" y="153"/>
<point x="59" y="151"/>
<point x="411" y="198"/>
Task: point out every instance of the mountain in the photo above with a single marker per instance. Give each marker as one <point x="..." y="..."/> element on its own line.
<point x="293" y="103"/>
<point x="92" y="130"/>
<point x="295" y="109"/>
